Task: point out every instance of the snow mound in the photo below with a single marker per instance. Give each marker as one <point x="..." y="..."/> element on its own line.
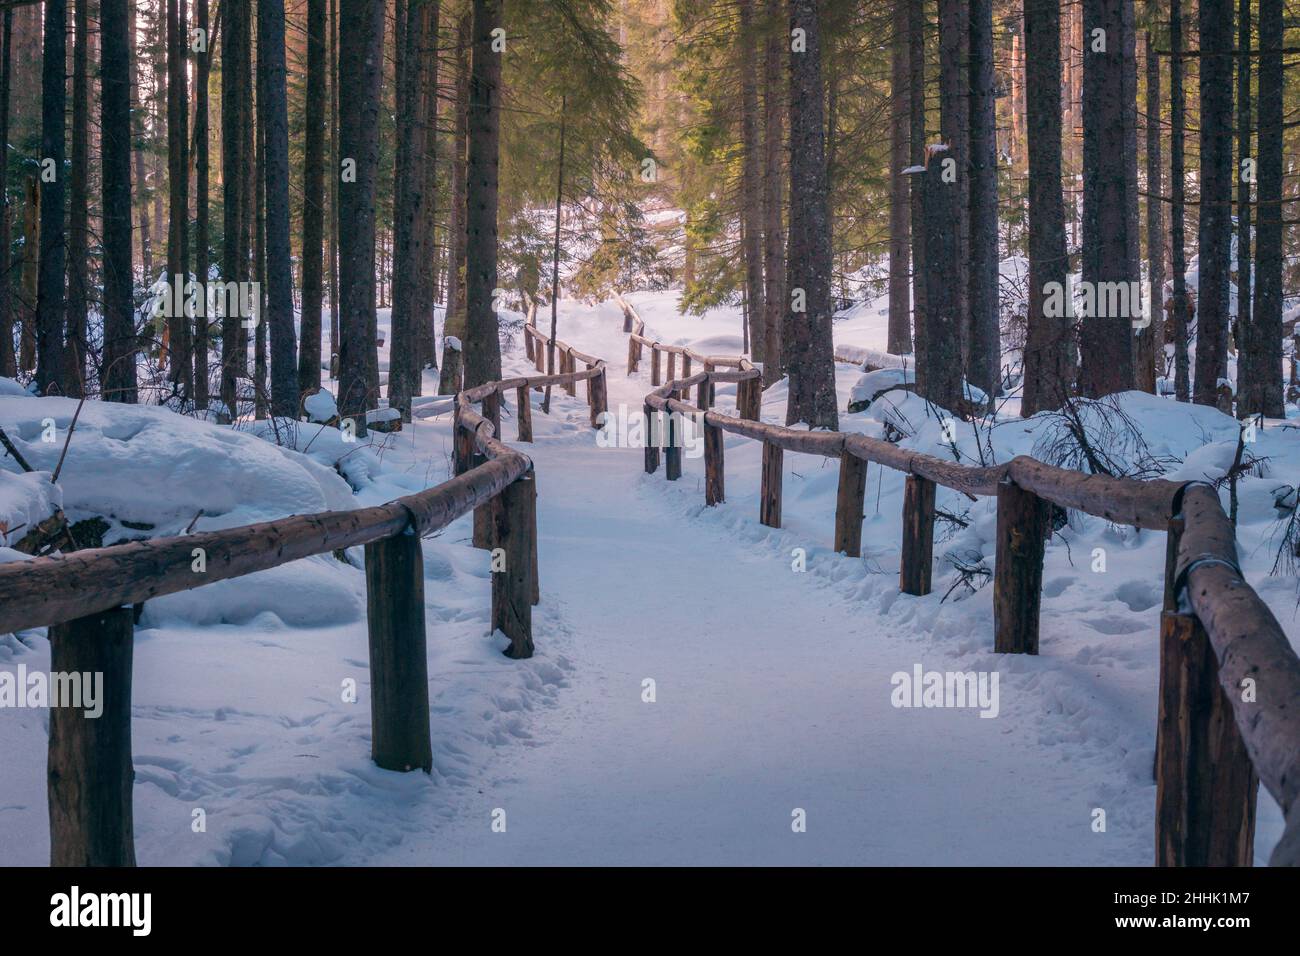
<point x="156" y="470"/>
<point x="25" y="500"/>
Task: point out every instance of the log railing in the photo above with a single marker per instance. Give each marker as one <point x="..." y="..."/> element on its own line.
<point x="1229" y="689"/>
<point x="87" y="598"/>
<point x="538" y="347"/>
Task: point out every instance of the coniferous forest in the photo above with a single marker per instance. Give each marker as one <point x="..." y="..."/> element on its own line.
<point x="650" y="432"/>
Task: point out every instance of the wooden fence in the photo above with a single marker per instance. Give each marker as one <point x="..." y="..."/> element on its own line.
<point x="87" y="598"/>
<point x="1229" y="691"/>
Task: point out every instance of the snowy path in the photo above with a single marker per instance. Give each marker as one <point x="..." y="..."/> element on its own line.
<point x="772" y="693"/>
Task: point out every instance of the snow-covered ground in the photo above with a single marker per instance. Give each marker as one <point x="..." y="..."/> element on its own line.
<point x="772" y="686"/>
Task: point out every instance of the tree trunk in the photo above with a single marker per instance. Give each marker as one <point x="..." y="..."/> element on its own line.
<point x="938" y="370"/>
<point x="361" y="44"/>
<point x="234" y="253"/>
<point x="1049" y="340"/>
<point x="954" y="128"/>
<point x="454" y="324"/>
<point x="335" y="159"/>
<point x="1151" y="340"/>
<point x="1214" y="237"/>
<point x="136" y="35"/>
<point x="427" y="298"/>
<point x="774" y="303"/>
<point x="900" y="234"/>
<point x="751" y="183"/>
<point x="482" y="344"/>
<point x="409" y="201"/>
<point x="916" y="27"/>
<point x="49" y="289"/>
<point x="1266" y="334"/>
<point x="809" y="350"/>
<point x="984" y="366"/>
<point x="273" y="111"/>
<point x="117" y="377"/>
<point x="74" y="375"/>
<point x="179" y="355"/>
<point x="202" y="237"/>
<point x="1106" y="339"/>
<point x="8" y="361"/>
<point x="1177" y="209"/>
<point x="313" y="202"/>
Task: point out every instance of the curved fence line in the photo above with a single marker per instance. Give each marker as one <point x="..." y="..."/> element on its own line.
<point x="1229" y="678"/>
<point x="89" y="599"/>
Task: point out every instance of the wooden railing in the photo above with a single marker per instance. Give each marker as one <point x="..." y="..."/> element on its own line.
<point x="1229" y="679"/>
<point x="87" y="598"/>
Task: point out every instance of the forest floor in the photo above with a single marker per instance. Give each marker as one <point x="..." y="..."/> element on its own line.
<point x="774" y="688"/>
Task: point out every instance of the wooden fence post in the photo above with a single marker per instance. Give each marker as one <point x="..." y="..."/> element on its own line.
<point x="90" y="776"/>
<point x="598" y="396"/>
<point x="524" y="409"/>
<point x="769" y="502"/>
<point x="512" y="586"/>
<point x="631" y="356"/>
<point x="714" y="483"/>
<point x="1018" y="575"/>
<point x="684" y="395"/>
<point x="483" y="513"/>
<point x="673" y="447"/>
<point x="672" y="370"/>
<point x="917" y="562"/>
<point x="654" y="366"/>
<point x="848" y="504"/>
<point x="569" y="365"/>
<point x="651" y="440"/>
<point x="703" y="395"/>
<point x="399" y="670"/>
<point x="462" y="445"/>
<point x="1205" y="784"/>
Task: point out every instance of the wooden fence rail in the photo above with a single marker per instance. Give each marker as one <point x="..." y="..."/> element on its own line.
<point x="86" y="598"/>
<point x="1229" y="679"/>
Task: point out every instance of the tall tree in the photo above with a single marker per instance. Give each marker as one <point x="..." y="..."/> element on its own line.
<point x="1049" y="341"/>
<point x="273" y="109"/>
<point x="938" y="367"/>
<point x="313" y="202"/>
<point x="410" y="199"/>
<point x="1263" y="392"/>
<point x="117" y="377"/>
<point x="361" y="45"/>
<point x="482" y="344"/>
<point x="985" y="360"/>
<point x="1177" y="205"/>
<point x="773" y="158"/>
<point x="809" y="349"/>
<point x="180" y="355"/>
<point x="916" y="27"/>
<point x="449" y="379"/>
<point x="954" y="128"/>
<point x="1245" y="353"/>
<point x="74" y="374"/>
<point x="8" y="361"/>
<point x="234" y="252"/>
<point x="136" y="33"/>
<point x="1150" y="340"/>
<point x="1214" y="237"/>
<point x="1106" y="340"/>
<point x="751" y="183"/>
<point x="202" y="183"/>
<point x="49" y="290"/>
<point x="900" y="235"/>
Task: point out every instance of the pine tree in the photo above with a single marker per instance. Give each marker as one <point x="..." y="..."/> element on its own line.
<point x="1177" y="207"/>
<point x="900" y="237"/>
<point x="985" y="350"/>
<point x="279" y="291"/>
<point x="74" y="372"/>
<point x="118" y="375"/>
<point x="482" y="345"/>
<point x="49" y="292"/>
<point x="1264" y="392"/>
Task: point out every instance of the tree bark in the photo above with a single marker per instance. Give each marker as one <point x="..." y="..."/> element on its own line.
<point x="117" y="377"/>
<point x="984" y="366"/>
<point x="234" y="253"/>
<point x="954" y="128"/>
<point x="1214" y="237"/>
<point x="773" y="158"/>
<point x="809" y="349"/>
<point x="180" y="369"/>
<point x="1177" y="208"/>
<point x="279" y="269"/>
<point x="313" y="202"/>
<point x="938" y="370"/>
<point x="1049" y="340"/>
<point x="1151" y="340"/>
<point x="1106" y="340"/>
<point x="900" y="234"/>
<point x="8" y="361"/>
<point x="361" y="44"/>
<point x="74" y="374"/>
<point x="454" y="324"/>
<point x="916" y="26"/>
<point x="202" y="231"/>
<point x="53" y="253"/>
<point x="751" y="183"/>
<point x="136" y="35"/>
<point x="1266" y="335"/>
<point x="1247" y="374"/>
<point x="482" y="344"/>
